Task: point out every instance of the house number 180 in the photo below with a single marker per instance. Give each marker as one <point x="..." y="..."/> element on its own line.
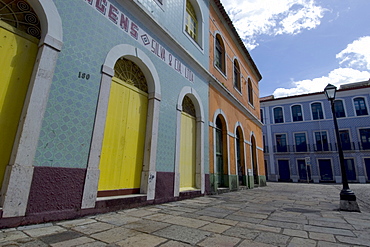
<point x="83" y="75"/>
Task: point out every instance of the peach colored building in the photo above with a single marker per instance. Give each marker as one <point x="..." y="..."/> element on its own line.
<point x="235" y="129"/>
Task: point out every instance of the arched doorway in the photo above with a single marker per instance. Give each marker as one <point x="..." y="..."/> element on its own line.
<point x="20" y="33"/>
<point x="254" y="160"/>
<point x="148" y="177"/>
<point x="188" y="146"/>
<point x="240" y="160"/>
<point x="19" y="171"/>
<point x="221" y="153"/>
<point x="189" y="150"/>
<point x="122" y="154"/>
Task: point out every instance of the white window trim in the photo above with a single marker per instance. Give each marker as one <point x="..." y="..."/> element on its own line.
<point x="291" y="113"/>
<point x="240" y="75"/>
<point x="273" y="115"/>
<point x="344" y="107"/>
<point x="365" y="171"/>
<point x="322" y="108"/>
<point x="354" y="108"/>
<point x="331" y="164"/>
<point x="225" y="55"/>
<point x="215" y="115"/>
<point x="327" y="135"/>
<point x="354" y="166"/>
<point x="286" y="139"/>
<point x="247" y="89"/>
<point x="238" y="124"/>
<point x="294" y="140"/>
<point x="199" y="43"/>
<point x="349" y="133"/>
<point x="359" y="135"/>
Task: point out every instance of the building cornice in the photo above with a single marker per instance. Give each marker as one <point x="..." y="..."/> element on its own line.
<point x="165" y="36"/>
<point x="239" y="105"/>
<point x="137" y="9"/>
<point x="232" y="30"/>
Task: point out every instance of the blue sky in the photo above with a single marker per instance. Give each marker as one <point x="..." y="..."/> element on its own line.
<point x="300" y="46"/>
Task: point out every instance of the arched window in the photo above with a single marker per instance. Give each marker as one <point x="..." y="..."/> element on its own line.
<point x="250" y="92"/>
<point x="130" y="73"/>
<point x="339" y="109"/>
<point x="20" y="15"/>
<point x="220" y="53"/>
<point x="191" y="24"/>
<point x="297" y="113"/>
<point x="237" y="83"/>
<point x="278" y="115"/>
<point x="317" y="112"/>
<point x="360" y="106"/>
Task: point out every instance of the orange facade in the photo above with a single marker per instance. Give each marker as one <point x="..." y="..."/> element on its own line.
<point x="234" y="100"/>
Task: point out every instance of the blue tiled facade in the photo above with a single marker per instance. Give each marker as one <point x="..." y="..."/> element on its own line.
<point x="57" y="165"/>
<point x="69" y="118"/>
<point x="54" y="170"/>
<point x="301" y="146"/>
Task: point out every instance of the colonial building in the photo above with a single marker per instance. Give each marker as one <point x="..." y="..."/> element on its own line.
<point x="104" y="105"/>
<point x="299" y="137"/>
<point x="235" y="136"/>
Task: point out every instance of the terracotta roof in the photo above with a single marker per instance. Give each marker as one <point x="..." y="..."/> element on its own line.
<point x="240" y="41"/>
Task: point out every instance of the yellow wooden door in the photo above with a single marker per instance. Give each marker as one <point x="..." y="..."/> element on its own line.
<point x="17" y="58"/>
<point x="122" y="154"/>
<point x="187" y="152"/>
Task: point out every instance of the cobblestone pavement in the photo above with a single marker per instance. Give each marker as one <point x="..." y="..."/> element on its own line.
<point x="281" y="214"/>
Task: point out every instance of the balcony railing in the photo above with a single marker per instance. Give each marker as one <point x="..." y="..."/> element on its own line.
<point x="326" y="147"/>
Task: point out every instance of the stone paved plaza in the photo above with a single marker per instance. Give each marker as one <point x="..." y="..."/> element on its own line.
<point x="281" y="214"/>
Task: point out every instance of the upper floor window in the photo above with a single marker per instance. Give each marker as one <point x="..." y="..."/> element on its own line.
<point x="345" y="139"/>
<point x="360" y="106"/>
<point x="250" y="92"/>
<point x="317" y="112"/>
<point x="237" y="83"/>
<point x="321" y="139"/>
<point x="261" y="113"/>
<point x="365" y="138"/>
<point x="191" y="24"/>
<point x="339" y="109"/>
<point x="297" y="113"/>
<point x="220" y="54"/>
<point x="278" y="115"/>
<point x="300" y="142"/>
<point x="281" y="144"/>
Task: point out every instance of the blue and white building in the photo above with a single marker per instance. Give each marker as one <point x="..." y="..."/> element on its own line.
<point x="299" y="137"/>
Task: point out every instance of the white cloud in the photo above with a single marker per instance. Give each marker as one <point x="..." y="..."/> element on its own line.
<point x="252" y="18"/>
<point x="355" y="61"/>
<point x="336" y="77"/>
<point x="357" y="54"/>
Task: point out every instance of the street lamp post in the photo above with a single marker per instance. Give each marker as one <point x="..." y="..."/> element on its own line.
<point x="347" y="196"/>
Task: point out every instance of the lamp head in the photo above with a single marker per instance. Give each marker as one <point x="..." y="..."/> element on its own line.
<point x="330" y="91"/>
